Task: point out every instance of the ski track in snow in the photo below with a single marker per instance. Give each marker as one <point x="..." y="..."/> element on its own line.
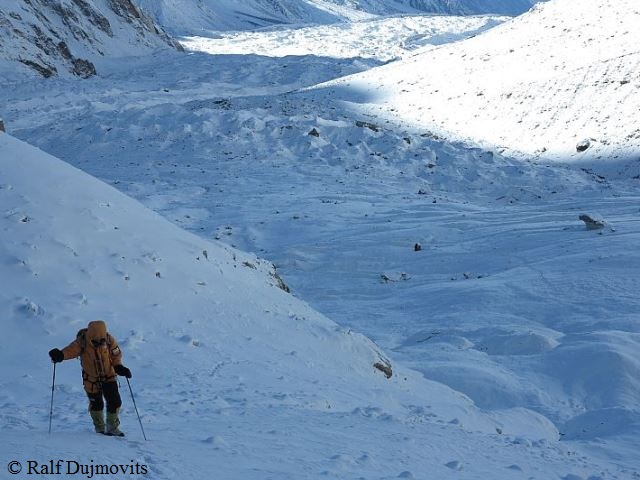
<point x="510" y="301"/>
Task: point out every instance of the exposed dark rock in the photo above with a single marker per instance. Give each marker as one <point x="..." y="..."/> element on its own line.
<point x="2" y="129"/>
<point x="141" y="21"/>
<point x="95" y="17"/>
<point x="583" y="145"/>
<point x="394" y="277"/>
<point x="42" y="41"/>
<point x="63" y="49"/>
<point x="125" y="9"/>
<point x="370" y="126"/>
<point x="431" y="135"/>
<point x="279" y="281"/>
<point x="592" y="223"/>
<point x="314" y="133"/>
<point x="384" y="367"/>
<point x="46" y="72"/>
<point x="83" y="68"/>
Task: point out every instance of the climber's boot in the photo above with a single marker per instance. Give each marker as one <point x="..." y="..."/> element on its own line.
<point x="113" y="422"/>
<point x="98" y="420"/>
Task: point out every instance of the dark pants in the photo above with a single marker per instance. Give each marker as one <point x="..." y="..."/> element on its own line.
<point x="110" y="392"/>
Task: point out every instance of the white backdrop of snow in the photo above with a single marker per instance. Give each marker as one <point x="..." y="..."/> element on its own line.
<point x="511" y="302"/>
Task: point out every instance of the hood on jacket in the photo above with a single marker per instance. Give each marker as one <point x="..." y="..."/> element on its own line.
<point x="96" y="330"/>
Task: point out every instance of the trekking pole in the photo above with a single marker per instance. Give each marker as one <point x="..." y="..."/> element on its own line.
<point x="53" y="385"/>
<point x="134" y="406"/>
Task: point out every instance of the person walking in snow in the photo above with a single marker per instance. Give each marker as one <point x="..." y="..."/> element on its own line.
<point x="101" y="360"/>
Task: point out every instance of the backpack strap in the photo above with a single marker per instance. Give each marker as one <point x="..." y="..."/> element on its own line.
<point x="81" y="338"/>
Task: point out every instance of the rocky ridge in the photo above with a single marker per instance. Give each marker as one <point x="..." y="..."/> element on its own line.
<point x="52" y="37"/>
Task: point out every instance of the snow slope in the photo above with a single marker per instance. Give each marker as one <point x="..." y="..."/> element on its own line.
<point x="57" y="36"/>
<point x="74" y="249"/>
<point x="229" y="371"/>
<point x="538" y="85"/>
<point x="195" y="17"/>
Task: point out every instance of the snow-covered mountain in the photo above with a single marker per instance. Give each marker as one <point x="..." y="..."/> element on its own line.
<point x="558" y="82"/>
<point x="52" y="37"/>
<point x="512" y="328"/>
<point x="195" y="16"/>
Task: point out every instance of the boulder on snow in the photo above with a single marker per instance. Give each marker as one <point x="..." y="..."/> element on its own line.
<point x="394" y="277"/>
<point x="583" y="145"/>
<point x="370" y="126"/>
<point x="83" y="68"/>
<point x="314" y="133"/>
<point x="384" y="367"/>
<point x="592" y="223"/>
<point x="279" y="281"/>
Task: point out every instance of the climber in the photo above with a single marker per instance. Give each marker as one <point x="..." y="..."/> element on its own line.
<point x="101" y="360"/>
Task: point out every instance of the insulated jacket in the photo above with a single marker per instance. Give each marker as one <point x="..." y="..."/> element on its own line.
<point x="97" y="362"/>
